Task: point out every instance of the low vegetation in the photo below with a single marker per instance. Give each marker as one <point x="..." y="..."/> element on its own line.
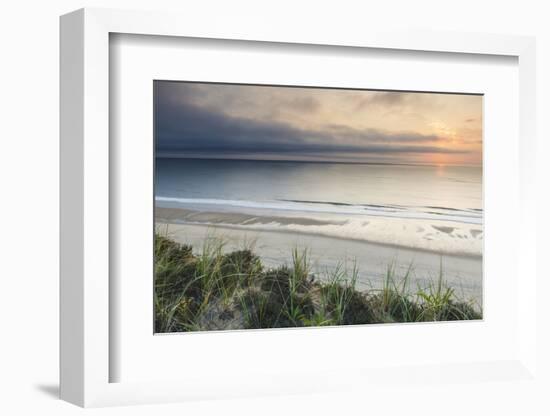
<point x="216" y="290"/>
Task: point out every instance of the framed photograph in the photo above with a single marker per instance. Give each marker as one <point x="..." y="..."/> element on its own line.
<point x="259" y="214"/>
<point x="285" y="206"/>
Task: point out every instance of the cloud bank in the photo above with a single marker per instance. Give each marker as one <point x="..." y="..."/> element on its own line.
<point x="218" y="121"/>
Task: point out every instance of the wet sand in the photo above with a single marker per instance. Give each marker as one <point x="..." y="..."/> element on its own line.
<point x="231" y="218"/>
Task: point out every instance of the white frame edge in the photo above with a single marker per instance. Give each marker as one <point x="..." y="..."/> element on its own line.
<point x="71" y="346"/>
<point x="84" y="177"/>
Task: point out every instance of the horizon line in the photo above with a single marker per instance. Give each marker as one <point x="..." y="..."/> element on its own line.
<point x="315" y="161"/>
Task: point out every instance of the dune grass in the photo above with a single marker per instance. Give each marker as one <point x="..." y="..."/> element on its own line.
<point x="218" y="290"/>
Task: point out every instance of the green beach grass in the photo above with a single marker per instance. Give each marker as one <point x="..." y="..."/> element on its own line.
<point x="218" y="290"/>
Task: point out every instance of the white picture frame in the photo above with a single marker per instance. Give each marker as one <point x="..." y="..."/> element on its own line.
<point x="86" y="356"/>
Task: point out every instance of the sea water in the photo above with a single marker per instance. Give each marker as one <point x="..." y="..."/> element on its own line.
<point x="434" y="208"/>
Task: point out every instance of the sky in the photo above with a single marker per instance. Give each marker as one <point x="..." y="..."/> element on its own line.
<point x="202" y="120"/>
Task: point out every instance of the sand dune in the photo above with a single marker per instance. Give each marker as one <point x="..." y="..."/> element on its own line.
<point x="464" y="273"/>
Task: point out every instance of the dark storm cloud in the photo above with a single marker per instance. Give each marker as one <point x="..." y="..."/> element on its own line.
<point x="182" y="126"/>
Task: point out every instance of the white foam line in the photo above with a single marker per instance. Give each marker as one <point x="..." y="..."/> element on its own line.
<point x="461" y="216"/>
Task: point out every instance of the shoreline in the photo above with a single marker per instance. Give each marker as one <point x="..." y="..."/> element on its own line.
<point x="243" y="222"/>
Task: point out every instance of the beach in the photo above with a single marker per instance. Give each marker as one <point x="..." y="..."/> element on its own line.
<point x="273" y="244"/>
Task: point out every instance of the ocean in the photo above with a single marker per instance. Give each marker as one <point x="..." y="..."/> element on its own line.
<point x="433" y="208"/>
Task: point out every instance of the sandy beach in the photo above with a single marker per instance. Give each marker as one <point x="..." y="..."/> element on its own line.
<point x="463" y="273"/>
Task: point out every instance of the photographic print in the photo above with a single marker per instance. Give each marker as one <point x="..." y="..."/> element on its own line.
<point x="289" y="206"/>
